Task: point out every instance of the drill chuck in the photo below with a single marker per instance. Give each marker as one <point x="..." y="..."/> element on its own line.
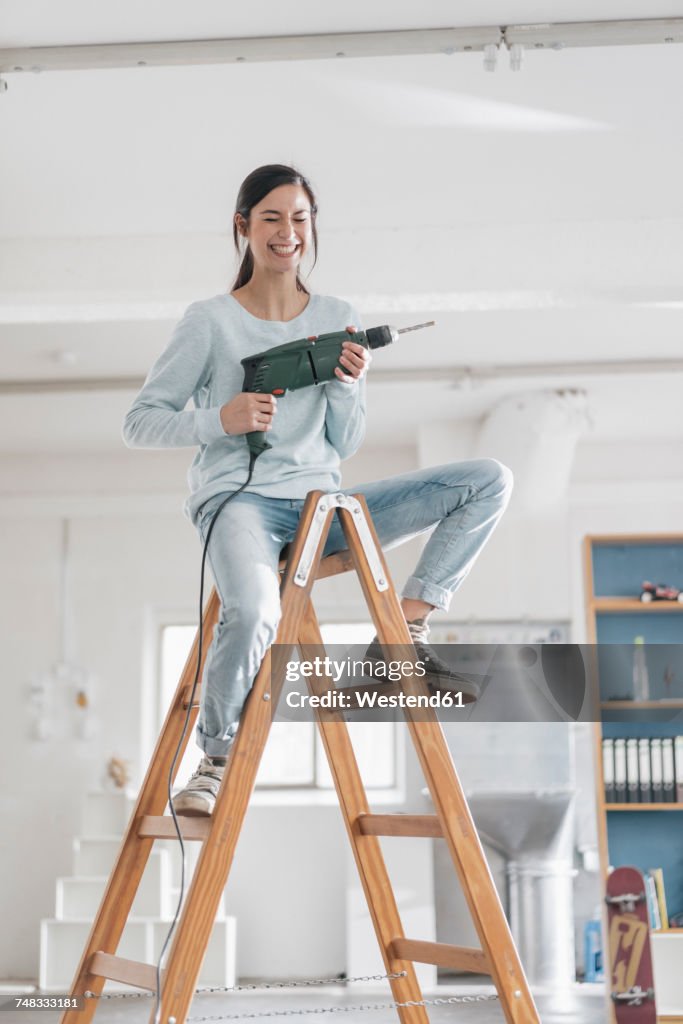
<point x="378" y="337"/>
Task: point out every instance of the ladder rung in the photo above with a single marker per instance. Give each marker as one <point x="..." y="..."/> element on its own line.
<point x="130" y="972"/>
<point x="154" y="826"/>
<point x="341" y="561"/>
<point x="427" y="825"/>
<point x="186" y="698"/>
<point x="441" y="954"/>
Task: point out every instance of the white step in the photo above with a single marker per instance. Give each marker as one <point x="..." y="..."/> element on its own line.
<point x="106" y="813"/>
<point x="105" y="817"/>
<point x="96" y="855"/>
<point x="80" y="896"/>
<point x="62" y="944"/>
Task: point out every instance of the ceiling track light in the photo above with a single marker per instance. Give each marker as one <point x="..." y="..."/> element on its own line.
<point x="490" y="57"/>
<point x="319" y="46"/>
<point x="516" y="54"/>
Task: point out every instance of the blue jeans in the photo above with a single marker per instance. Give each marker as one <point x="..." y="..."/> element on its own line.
<point x="463" y="500"/>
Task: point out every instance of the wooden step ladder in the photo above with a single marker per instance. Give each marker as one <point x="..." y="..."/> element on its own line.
<point x="219" y="833"/>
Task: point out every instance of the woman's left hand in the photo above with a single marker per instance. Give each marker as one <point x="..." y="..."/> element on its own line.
<point x="355" y="359"/>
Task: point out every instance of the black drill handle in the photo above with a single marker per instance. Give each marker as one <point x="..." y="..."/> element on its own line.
<point x="257" y="442"/>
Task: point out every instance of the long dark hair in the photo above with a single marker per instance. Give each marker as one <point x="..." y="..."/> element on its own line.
<point x="253" y="189"/>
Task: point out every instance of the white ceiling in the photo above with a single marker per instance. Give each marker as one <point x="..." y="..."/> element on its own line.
<point x="44" y="23"/>
<point x="537" y="215"/>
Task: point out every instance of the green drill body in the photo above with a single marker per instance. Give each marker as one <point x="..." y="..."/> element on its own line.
<point x="304" y="363"/>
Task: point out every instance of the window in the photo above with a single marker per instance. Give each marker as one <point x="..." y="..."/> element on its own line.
<point x="294" y="757"/>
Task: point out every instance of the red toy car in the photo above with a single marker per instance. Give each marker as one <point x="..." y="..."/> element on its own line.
<point x="659" y="592"/>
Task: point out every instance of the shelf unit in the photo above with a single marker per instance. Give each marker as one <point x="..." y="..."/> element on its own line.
<point x="634" y="604"/>
<point x="614" y="567"/>
<point x="636" y="705"/>
<point x="644" y="807"/>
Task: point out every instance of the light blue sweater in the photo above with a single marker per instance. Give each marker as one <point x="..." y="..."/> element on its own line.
<point x="312" y="430"/>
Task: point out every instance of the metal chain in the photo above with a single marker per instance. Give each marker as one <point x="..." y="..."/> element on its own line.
<point x="338" y="980"/>
<point x="302" y="983"/>
<point x="306" y="982"/>
<point x="347" y="1009"/>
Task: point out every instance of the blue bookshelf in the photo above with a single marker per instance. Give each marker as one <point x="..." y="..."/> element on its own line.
<point x="646" y="835"/>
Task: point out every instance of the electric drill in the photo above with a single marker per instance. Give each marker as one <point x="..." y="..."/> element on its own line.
<point x="309" y="361"/>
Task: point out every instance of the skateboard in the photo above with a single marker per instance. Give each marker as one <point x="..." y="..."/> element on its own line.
<point x="632" y="984"/>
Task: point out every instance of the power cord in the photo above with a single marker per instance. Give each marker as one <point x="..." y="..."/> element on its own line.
<point x="169" y="782"/>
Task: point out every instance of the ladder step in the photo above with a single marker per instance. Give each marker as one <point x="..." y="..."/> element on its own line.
<point x="130" y="972"/>
<point x="427" y="825"/>
<point x="441" y="954"/>
<point x="154" y="826"/>
<point x="186" y="698"/>
<point x="341" y="561"/>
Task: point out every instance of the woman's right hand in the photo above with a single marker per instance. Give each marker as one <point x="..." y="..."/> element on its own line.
<point x="248" y="412"/>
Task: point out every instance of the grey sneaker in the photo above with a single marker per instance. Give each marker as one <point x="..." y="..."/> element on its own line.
<point x="198" y="799"/>
<point x="438" y="674"/>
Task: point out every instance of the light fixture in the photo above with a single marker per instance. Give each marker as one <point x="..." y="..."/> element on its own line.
<point x="490" y="57"/>
<point x="322" y="46"/>
<point x="516" y="54"/>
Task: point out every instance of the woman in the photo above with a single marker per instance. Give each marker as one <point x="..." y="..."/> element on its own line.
<point x="311" y="431"/>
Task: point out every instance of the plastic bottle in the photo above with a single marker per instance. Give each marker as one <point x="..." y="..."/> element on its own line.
<point x="641" y="679"/>
<point x="592" y="949"/>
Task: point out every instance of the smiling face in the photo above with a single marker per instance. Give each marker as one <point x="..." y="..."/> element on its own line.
<point x="279" y="230"/>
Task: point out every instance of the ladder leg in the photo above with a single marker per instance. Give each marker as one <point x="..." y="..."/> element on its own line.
<point x="453" y="812"/>
<point x="213" y="866"/>
<point x="366" y="848"/>
<point x="114" y="909"/>
<point x="468" y="857"/>
<point x="215" y="860"/>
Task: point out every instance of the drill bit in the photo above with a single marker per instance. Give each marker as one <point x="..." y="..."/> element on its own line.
<point x="417" y="327"/>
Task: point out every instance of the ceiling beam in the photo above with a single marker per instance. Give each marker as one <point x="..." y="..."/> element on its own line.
<point x="640" y="31"/>
<point x="168" y="53"/>
<point x="252" y="49"/>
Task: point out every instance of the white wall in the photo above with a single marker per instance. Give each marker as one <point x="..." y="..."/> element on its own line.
<point x="132" y="552"/>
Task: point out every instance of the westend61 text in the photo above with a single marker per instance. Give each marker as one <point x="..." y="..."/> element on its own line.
<point x="350" y="700"/>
